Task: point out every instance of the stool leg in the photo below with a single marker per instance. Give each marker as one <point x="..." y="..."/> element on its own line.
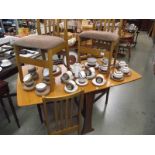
<point x="13" y="110"/>
<point x="5" y="111"/>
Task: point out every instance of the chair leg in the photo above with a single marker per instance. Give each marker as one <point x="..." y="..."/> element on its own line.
<point x="13" y="110"/>
<point x="107" y="96"/>
<point x="129" y="49"/>
<point x="4" y="109"/>
<point x="40" y="114"/>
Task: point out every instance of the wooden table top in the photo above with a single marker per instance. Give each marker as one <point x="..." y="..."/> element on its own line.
<point x="25" y="98"/>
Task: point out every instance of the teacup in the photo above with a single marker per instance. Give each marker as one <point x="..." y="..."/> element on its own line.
<point x="31" y="69"/>
<point x="27" y="78"/>
<point x="5" y="62"/>
<point x="103" y="67"/>
<point x="90" y="71"/>
<point x="118" y="74"/>
<point x="91" y="61"/>
<point x="105" y="60"/>
<point x="125" y="69"/>
<point x="41" y="87"/>
<point x="122" y="63"/>
<point x="99" y="78"/>
<point x="70" y="85"/>
<point x="67" y="76"/>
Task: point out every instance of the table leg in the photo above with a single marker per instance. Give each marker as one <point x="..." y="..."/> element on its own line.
<point x="107" y="96"/>
<point x="40" y="112"/>
<point x="88" y="107"/>
<point x="13" y="110"/>
<point x="5" y="111"/>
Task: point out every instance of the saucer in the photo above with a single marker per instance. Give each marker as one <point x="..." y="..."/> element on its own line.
<point x="91" y="76"/>
<point x="6" y="65"/>
<point x="98" y="84"/>
<point x="96" y="66"/>
<point x="116" y="79"/>
<point x="28" y="88"/>
<point x="71" y="91"/>
<point x="0" y="69"/>
<point x="81" y="84"/>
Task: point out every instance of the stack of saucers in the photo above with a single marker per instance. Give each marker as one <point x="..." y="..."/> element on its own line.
<point x="32" y="70"/>
<point x="91" y="62"/>
<point x="42" y="89"/>
<point x="28" y="82"/>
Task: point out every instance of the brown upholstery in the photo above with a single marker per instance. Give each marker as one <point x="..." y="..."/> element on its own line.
<point x="99" y="35"/>
<point x="39" y="41"/>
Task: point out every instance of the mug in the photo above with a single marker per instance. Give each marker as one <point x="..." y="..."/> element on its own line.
<point x="99" y="78"/>
<point x="70" y="85"/>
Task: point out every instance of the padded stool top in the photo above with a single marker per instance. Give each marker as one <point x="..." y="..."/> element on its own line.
<point x="39" y="41"/>
<point x="99" y="35"/>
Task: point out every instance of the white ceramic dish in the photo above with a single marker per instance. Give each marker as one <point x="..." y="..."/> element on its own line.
<point x="81" y="84"/>
<point x="71" y="91"/>
<point x="122" y="63"/>
<point x="41" y="86"/>
<point x="0" y="69"/>
<point x="91" y="60"/>
<point x="98" y="84"/>
<point x="96" y="66"/>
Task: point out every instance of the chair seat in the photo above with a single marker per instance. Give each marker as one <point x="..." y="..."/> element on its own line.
<point x="39" y="41"/>
<point x="99" y="35"/>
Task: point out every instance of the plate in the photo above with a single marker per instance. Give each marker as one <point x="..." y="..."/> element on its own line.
<point x="9" y="64"/>
<point x="97" y="65"/>
<point x="71" y="91"/>
<point x="0" y="69"/>
<point x="81" y="84"/>
<point x="73" y="58"/>
<point x="98" y="84"/>
<point x="91" y="76"/>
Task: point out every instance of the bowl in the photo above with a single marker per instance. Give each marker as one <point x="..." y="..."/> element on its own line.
<point x="41" y="87"/>
<point x="70" y="85"/>
<point x="103" y="67"/>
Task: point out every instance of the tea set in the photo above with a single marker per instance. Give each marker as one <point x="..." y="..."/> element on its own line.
<point x="81" y="74"/>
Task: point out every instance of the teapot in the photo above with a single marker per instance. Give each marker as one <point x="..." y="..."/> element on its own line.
<point x="76" y="68"/>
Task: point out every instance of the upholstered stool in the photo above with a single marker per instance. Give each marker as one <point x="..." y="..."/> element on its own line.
<point x="101" y="36"/>
<point x="50" y="44"/>
<point x="4" y="92"/>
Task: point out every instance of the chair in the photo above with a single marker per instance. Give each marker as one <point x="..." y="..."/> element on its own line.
<point x="47" y="44"/>
<point x="4" y="92"/>
<point x="63" y="115"/>
<point x="99" y="39"/>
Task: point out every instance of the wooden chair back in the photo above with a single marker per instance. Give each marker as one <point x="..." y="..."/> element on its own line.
<point x="109" y="25"/>
<point x="63" y="115"/>
<point x="51" y="27"/>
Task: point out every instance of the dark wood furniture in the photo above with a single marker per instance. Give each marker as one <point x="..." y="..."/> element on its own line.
<point x="4" y="92"/>
<point x="66" y="112"/>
